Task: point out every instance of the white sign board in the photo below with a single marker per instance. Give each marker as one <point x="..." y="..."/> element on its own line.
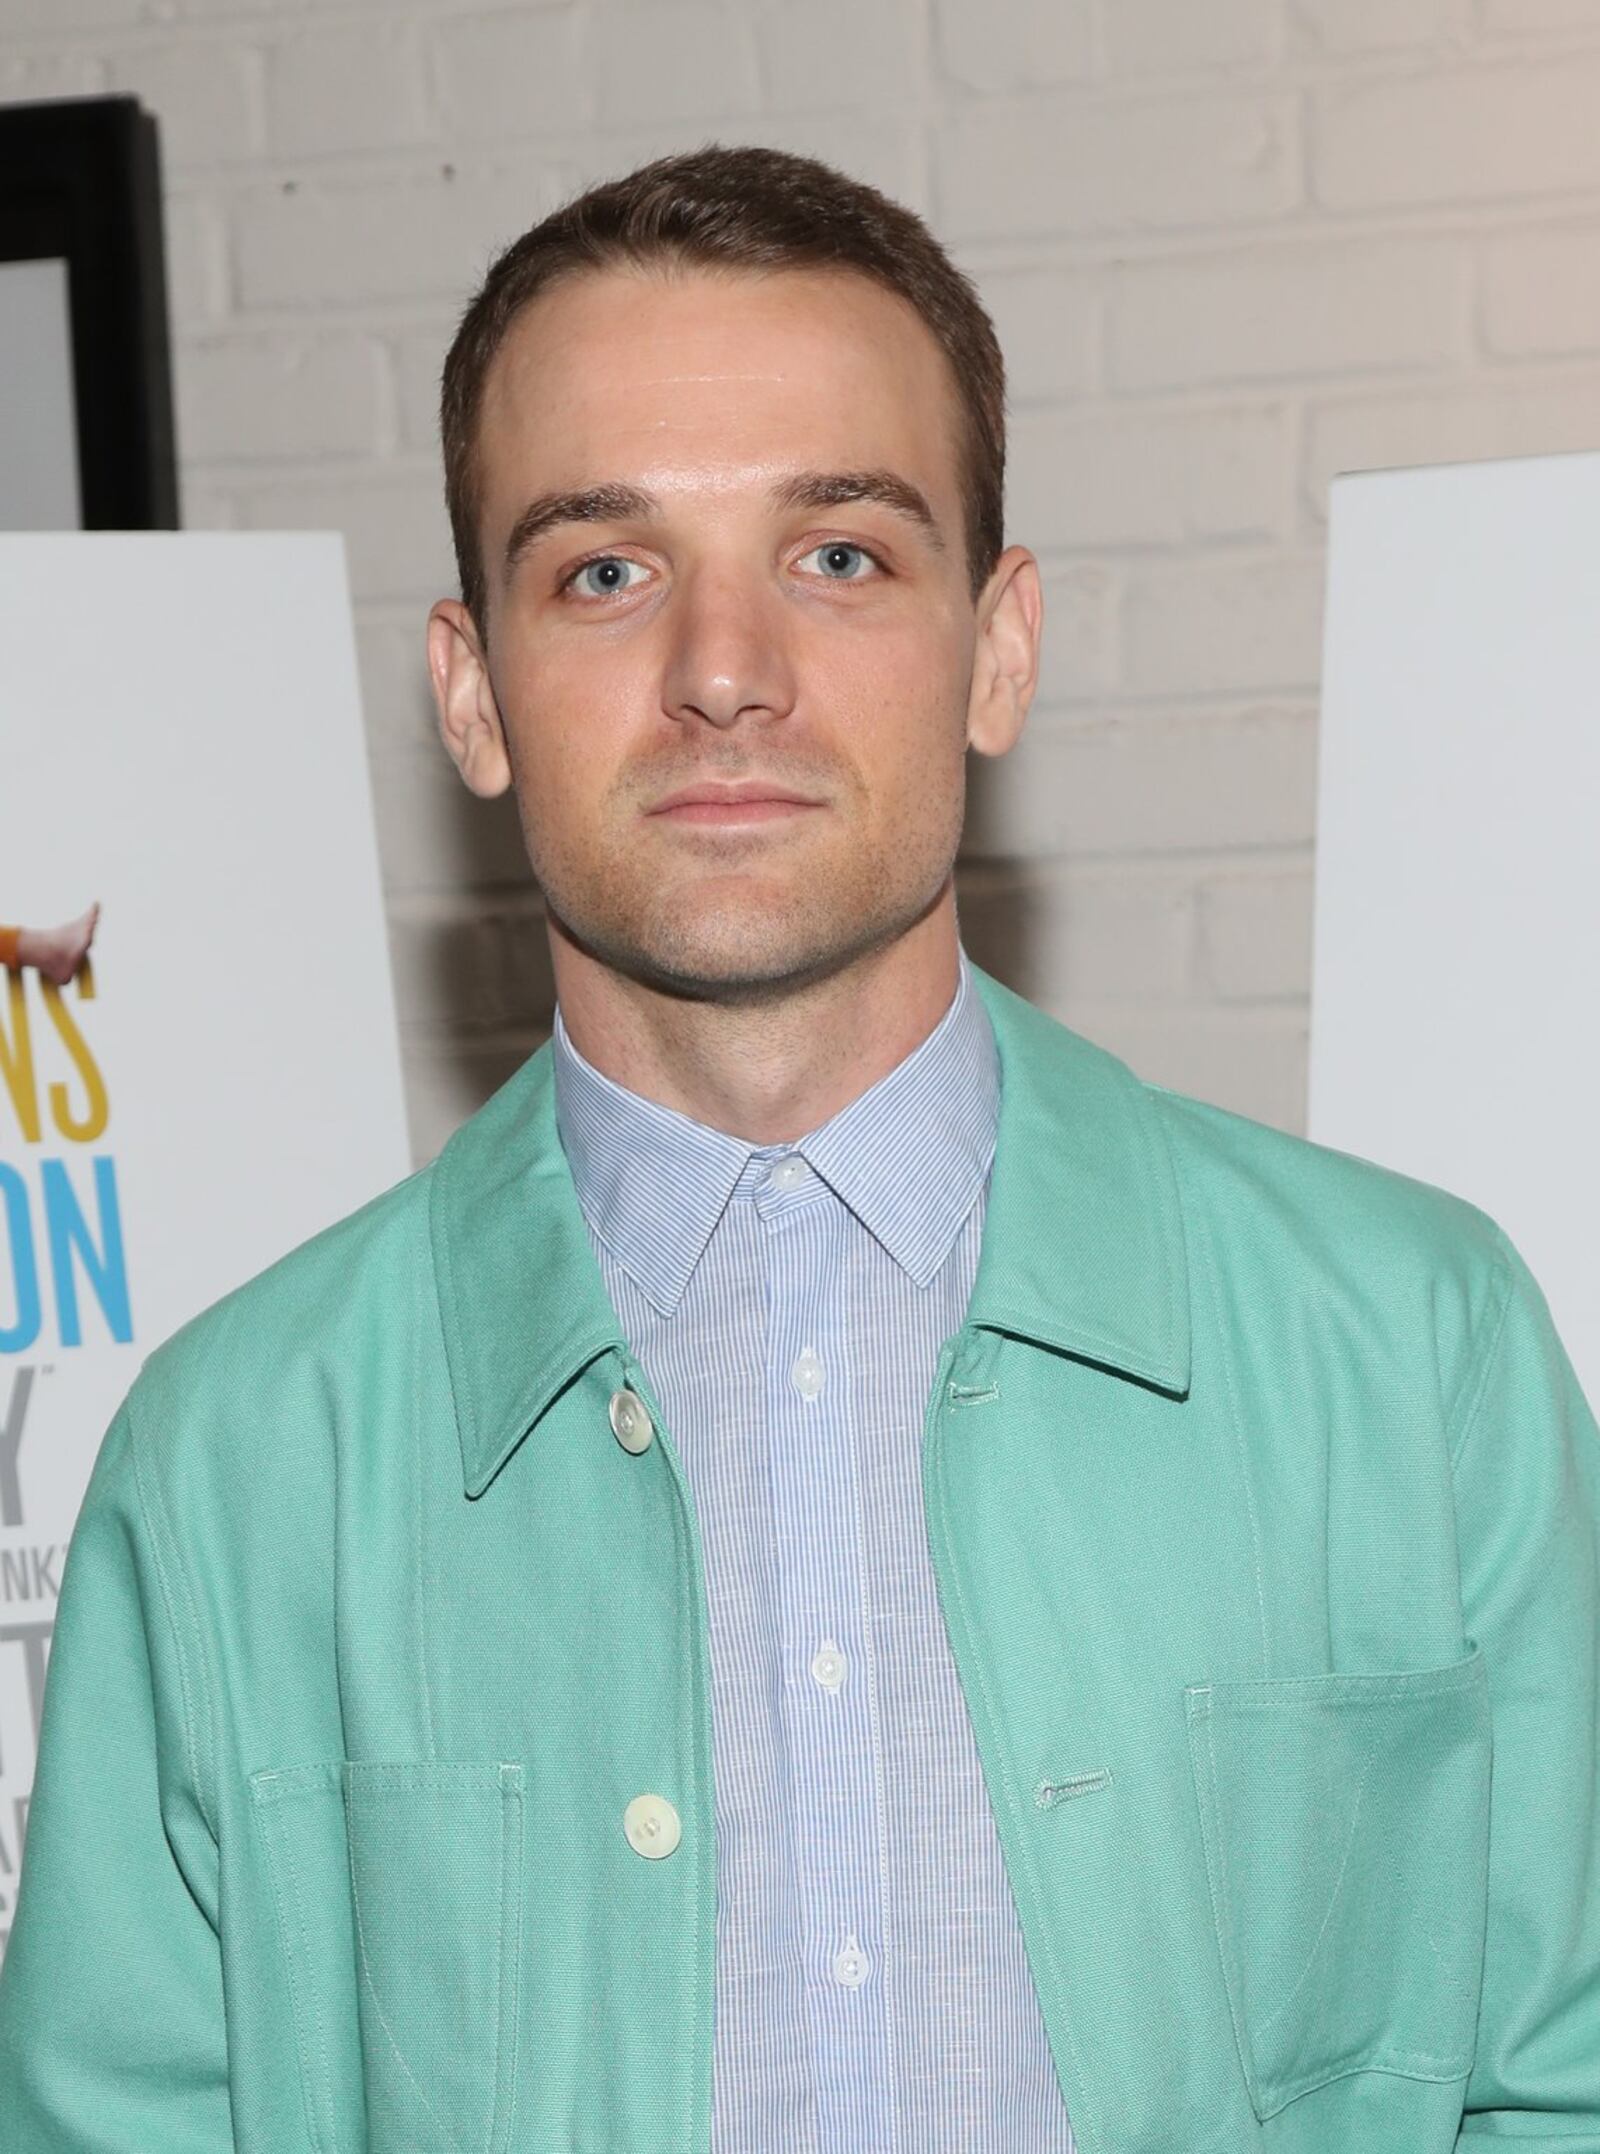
<point x="1455" y="1019"/>
<point x="181" y="743"/>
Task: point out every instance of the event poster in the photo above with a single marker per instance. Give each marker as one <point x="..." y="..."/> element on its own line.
<point x="199" y="1062"/>
<point x="1455" y="1031"/>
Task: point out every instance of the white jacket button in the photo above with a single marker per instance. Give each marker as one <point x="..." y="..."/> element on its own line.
<point x="630" y="1421"/>
<point x="651" y="1825"/>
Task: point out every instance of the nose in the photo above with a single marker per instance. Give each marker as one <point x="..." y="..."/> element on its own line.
<point x="728" y="656"/>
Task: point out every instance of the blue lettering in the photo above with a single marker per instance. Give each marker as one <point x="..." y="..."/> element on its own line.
<point x="18" y="1337"/>
<point x="105" y="1267"/>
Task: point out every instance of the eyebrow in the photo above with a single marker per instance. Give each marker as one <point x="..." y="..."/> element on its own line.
<point x="617" y="503"/>
<point x="835" y="489"/>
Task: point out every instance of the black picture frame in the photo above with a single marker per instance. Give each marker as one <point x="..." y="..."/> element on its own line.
<point x="82" y="183"/>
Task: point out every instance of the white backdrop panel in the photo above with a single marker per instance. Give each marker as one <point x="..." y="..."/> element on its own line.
<point x="1455" y="1023"/>
<point x="181" y="739"/>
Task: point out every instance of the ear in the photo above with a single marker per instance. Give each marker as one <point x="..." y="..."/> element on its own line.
<point x="469" y="717"/>
<point x="1005" y="666"/>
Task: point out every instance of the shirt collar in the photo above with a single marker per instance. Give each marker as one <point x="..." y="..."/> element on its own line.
<point x="909" y="1155"/>
<point x="1084" y="1244"/>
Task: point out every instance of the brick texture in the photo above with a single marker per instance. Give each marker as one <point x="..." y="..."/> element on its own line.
<point x="1014" y="44"/>
<point x="1541" y="293"/>
<point x="1355" y="26"/>
<point x="1151" y="37"/>
<point x="1039" y="165"/>
<point x="1275" y="312"/>
<point x="1254" y="932"/>
<point x="1483" y="134"/>
<point x="336" y="91"/>
<point x="1086" y="479"/>
<point x="1222" y="625"/>
<point x="1232" y="249"/>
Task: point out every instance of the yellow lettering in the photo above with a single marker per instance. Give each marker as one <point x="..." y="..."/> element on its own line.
<point x="98" y="1111"/>
<point x="16" y="1061"/>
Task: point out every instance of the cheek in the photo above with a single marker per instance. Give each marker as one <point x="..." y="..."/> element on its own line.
<point x="568" y="721"/>
<point x="909" y="729"/>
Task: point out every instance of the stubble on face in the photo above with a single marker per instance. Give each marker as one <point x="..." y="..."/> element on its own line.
<point x="728" y="928"/>
<point x="688" y="386"/>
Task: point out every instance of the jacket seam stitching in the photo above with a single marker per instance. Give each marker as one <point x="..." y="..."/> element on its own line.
<point x="1222" y="1901"/>
<point x="151" y="1503"/>
<point x="1475" y="1388"/>
<point x="419" y="1504"/>
<point x="1202" y="1236"/>
<point x="445" y="1301"/>
<point x="308" y="2024"/>
<point x="513" y="1823"/>
<point x="997" y="1748"/>
<point x="1162" y="1164"/>
<point x="372" y="1991"/>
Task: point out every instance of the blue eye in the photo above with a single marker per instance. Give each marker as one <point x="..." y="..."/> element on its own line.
<point x="606" y="572"/>
<point x="841" y="562"/>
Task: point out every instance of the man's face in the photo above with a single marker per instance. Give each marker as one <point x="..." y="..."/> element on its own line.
<point x="679" y="601"/>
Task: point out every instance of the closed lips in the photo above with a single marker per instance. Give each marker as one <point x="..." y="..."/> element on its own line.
<point x="739" y="796"/>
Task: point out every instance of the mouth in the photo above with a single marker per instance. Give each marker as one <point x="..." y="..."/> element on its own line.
<point x="732" y="806"/>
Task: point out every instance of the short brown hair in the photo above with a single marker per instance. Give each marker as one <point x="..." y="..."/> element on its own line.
<point x="739" y="207"/>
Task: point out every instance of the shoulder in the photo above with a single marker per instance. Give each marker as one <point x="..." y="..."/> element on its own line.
<point x="1235" y="1161"/>
<point x="248" y="1358"/>
<point x="1283" y="1236"/>
<point x="1285" y="1218"/>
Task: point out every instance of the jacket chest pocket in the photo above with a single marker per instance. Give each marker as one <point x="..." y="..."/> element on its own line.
<point x="398" y="1888"/>
<point x="1346" y="1828"/>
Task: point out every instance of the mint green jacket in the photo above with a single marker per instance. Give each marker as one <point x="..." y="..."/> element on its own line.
<point x="1262" y="1501"/>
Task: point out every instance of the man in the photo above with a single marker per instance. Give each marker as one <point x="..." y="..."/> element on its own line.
<point x="837" y="1573"/>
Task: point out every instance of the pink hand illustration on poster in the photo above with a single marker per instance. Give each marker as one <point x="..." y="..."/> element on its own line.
<point x="56" y="953"/>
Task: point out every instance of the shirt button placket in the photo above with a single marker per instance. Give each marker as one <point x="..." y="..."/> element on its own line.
<point x="808" y="1374"/>
<point x="828" y="1665"/>
<point x="833" y="1775"/>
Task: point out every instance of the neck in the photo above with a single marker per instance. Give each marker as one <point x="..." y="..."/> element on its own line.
<point x="770" y="1071"/>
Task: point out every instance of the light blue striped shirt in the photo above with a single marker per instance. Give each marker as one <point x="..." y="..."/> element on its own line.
<point x="788" y="1304"/>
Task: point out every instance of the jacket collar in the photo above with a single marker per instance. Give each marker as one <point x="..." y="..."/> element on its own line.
<point x="521" y="1301"/>
<point x="1083" y="1243"/>
<point x="1083" y="1247"/>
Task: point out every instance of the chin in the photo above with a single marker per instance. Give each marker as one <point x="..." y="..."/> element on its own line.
<point x="752" y="944"/>
<point x="738" y="967"/>
<point x="737" y="957"/>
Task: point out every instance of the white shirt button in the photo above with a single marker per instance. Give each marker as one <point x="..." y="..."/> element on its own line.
<point x="630" y="1421"/>
<point x="807" y="1374"/>
<point x="850" y="1965"/>
<point x="789" y="1173"/>
<point x="651" y="1825"/>
<point x="828" y="1665"/>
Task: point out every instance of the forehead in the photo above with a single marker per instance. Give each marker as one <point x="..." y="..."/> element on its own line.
<point x="699" y="377"/>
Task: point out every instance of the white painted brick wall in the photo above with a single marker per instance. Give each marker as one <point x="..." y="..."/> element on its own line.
<point x="1152" y="37"/>
<point x="1223" y="625"/>
<point x="1479" y="134"/>
<point x="1541" y="292"/>
<point x="1035" y="167"/>
<point x="335" y="92"/>
<point x="508" y="78"/>
<point x="661" y="61"/>
<point x="1232" y="246"/>
<point x="1277" y="310"/>
<point x="270" y="397"/>
<point x="1092" y="478"/>
<point x="1014" y="44"/>
<point x="1361" y="26"/>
